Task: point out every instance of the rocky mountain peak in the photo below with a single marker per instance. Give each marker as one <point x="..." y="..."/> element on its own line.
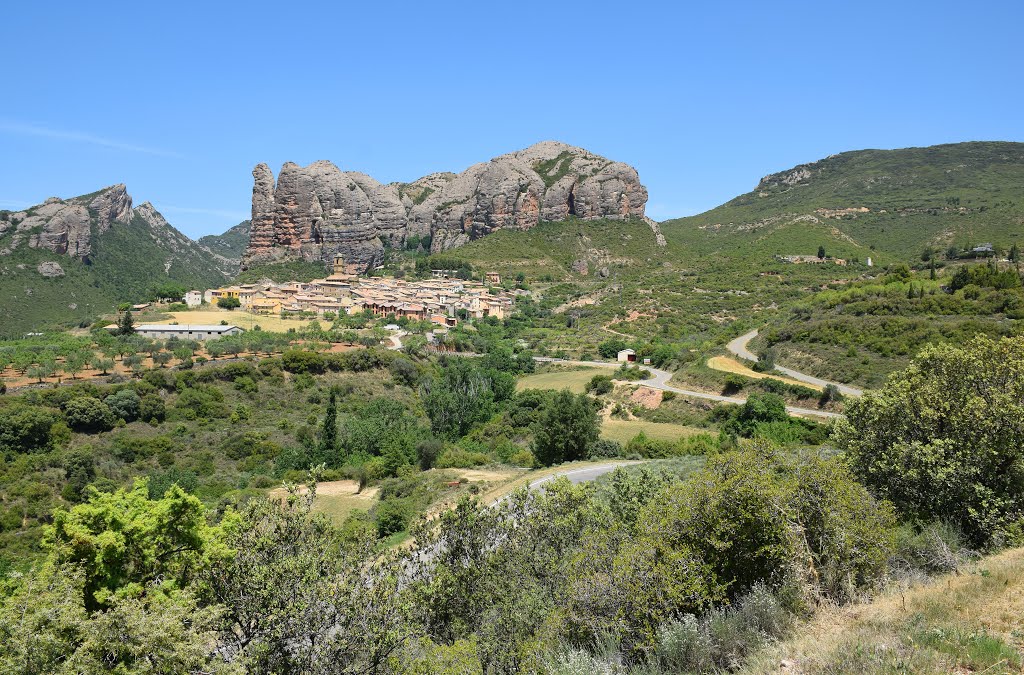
<point x="66" y="226"/>
<point x="316" y="212"/>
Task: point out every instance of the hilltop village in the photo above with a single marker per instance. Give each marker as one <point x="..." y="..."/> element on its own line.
<point x="442" y="300"/>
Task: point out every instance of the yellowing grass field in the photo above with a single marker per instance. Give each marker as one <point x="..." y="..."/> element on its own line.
<point x="624" y="430"/>
<point x="238" y="318"/>
<point x="730" y="365"/>
<point x="574" y="380"/>
<point x="337" y="498"/>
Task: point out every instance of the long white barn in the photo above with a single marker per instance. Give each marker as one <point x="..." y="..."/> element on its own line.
<point x="186" y="331"/>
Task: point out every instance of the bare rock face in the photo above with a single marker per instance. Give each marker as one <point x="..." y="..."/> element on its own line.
<point x="318" y="211"/>
<point x="111" y="205"/>
<point x="71" y="226"/>
<point x="64" y="227"/>
<point x="50" y="269"/>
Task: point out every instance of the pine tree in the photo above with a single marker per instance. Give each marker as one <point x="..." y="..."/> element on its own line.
<point x="126" y="326"/>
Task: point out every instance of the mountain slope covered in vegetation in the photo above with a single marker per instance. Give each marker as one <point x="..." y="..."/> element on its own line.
<point x="69" y="261"/>
<point x="230" y="244"/>
<point x="873" y="203"/>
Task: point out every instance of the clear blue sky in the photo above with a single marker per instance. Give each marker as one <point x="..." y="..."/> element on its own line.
<point x="179" y="100"/>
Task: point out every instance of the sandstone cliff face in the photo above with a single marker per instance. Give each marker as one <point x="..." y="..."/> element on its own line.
<point x="316" y="212"/>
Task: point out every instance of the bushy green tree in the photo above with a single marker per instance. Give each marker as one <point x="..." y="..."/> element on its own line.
<point x="600" y="385"/>
<point x="383" y="429"/>
<point x="610" y="349"/>
<point x="25" y="428"/>
<point x="496" y="574"/>
<point x="327" y="444"/>
<point x="986" y="276"/>
<point x="88" y="413"/>
<point x="758" y="409"/>
<point x="125" y="404"/>
<point x="297" y="599"/>
<point x="102" y="364"/>
<point x="462" y="395"/>
<point x="79" y="471"/>
<point x="46" y="628"/>
<point x="152" y="408"/>
<point x="944" y="439"/>
<point x="747" y="519"/>
<point x="126" y="324"/>
<point x="124" y="541"/>
<point x="568" y="425"/>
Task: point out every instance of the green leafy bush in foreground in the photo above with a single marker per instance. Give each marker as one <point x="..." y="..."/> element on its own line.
<point x="944" y="439"/>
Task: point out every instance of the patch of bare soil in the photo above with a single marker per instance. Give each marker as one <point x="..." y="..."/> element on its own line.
<point x="332" y="488"/>
<point x="647" y="397"/>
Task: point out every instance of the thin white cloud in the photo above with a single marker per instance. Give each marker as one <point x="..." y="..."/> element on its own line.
<point x="15" y="204"/>
<point x="219" y="213"/>
<point x="22" y="129"/>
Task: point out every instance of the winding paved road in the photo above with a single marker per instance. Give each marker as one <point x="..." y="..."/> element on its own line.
<point x="584" y="475"/>
<point x="660" y="382"/>
<point x="738" y="347"/>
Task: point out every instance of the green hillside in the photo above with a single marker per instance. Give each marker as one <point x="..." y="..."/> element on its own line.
<point x="719" y="273"/>
<point x="876" y="203"/>
<point x="126" y="262"/>
<point x="606" y="277"/>
<point x="230" y="244"/>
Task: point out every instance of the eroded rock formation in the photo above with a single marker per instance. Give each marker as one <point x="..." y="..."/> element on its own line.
<point x="316" y="212"/>
<point x="64" y="227"/>
<point x="72" y="227"/>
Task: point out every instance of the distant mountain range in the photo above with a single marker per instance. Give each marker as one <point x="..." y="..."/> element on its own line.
<point x="231" y="244"/>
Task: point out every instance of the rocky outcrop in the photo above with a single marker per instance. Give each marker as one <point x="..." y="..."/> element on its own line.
<point x="66" y="226"/>
<point x="73" y="226"/>
<point x="50" y="269"/>
<point x="316" y="212"/>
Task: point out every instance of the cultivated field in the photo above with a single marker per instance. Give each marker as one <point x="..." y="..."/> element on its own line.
<point x="574" y="380"/>
<point x="730" y="365"/>
<point x="337" y="498"/>
<point x="236" y="318"/>
<point x="624" y="430"/>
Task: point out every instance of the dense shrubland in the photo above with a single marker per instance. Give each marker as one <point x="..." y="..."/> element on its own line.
<point x="863" y="331"/>
<point x="499" y="589"/>
<point x="191" y="569"/>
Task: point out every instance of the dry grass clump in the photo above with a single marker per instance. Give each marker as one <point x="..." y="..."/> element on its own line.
<point x="962" y="622"/>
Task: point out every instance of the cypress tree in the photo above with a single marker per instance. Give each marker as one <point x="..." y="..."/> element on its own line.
<point x="126" y="326"/>
<point x="329" y="430"/>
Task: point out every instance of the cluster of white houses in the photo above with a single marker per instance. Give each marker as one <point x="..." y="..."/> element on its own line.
<point x="438" y="300"/>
